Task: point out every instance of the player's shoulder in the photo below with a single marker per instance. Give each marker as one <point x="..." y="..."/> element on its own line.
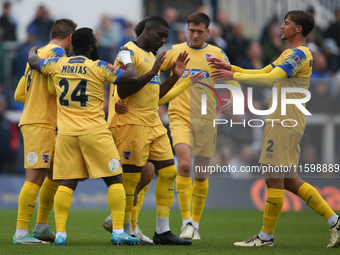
<point x="178" y="47"/>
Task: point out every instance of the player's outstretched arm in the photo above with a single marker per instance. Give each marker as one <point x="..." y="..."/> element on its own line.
<point x="177" y="70"/>
<point x="124" y="91"/>
<point x="257" y="79"/>
<point x="184" y="85"/>
<point x="130" y="75"/>
<point x="220" y="64"/>
<point x="33" y="58"/>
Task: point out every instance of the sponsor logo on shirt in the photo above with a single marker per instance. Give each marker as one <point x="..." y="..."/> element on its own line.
<point x="195" y="71"/>
<point x="294" y="61"/>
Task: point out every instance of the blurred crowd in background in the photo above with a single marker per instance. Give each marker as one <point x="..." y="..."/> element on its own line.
<point x="237" y="145"/>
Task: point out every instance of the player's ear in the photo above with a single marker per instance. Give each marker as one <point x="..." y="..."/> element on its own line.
<point x="298" y="29"/>
<point x="208" y="32"/>
<point x="147" y="30"/>
<point x="69" y="38"/>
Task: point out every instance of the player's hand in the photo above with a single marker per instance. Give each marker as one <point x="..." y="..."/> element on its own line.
<point x="34" y="50"/>
<point x="124" y="56"/>
<point x="120" y="107"/>
<point x="222" y="74"/>
<point x="179" y="65"/>
<point x="195" y="77"/>
<point x="123" y="48"/>
<point x="219" y="64"/>
<point x="227" y="107"/>
<point x="158" y="63"/>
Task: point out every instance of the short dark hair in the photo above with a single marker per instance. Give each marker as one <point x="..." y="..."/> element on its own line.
<point x="62" y="28"/>
<point x="157" y="20"/>
<point x="82" y="38"/>
<point x="302" y="18"/>
<point x="198" y="18"/>
<point x="140" y="26"/>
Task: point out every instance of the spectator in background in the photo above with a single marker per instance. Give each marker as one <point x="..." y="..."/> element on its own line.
<point x="238" y="44"/>
<point x="7" y="24"/>
<point x="6" y="134"/>
<point x="32" y="40"/>
<point x="216" y="39"/>
<point x="170" y="15"/>
<point x="331" y="51"/>
<point x="316" y="36"/>
<point x="321" y="100"/>
<point x="254" y="60"/>
<point x="109" y="35"/>
<point x="43" y="24"/>
<point x="2" y="55"/>
<point x="273" y="46"/>
<point x="333" y="31"/>
<point x="226" y="28"/>
<point x="265" y="31"/>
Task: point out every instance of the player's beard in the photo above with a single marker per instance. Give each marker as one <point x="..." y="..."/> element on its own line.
<point x="94" y="55"/>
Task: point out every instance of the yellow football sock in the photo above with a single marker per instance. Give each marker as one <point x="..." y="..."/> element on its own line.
<point x="199" y="196"/>
<point x="164" y="190"/>
<point x="116" y="202"/>
<point x="272" y="209"/>
<point x="130" y="181"/>
<point x="46" y="197"/>
<point x="136" y="209"/>
<point x="141" y="196"/>
<point x="313" y="199"/>
<point x="184" y="194"/>
<point x="26" y="203"/>
<point x="134" y="217"/>
<point x="62" y="205"/>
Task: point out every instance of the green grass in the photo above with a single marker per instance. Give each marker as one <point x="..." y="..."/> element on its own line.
<point x="296" y="233"/>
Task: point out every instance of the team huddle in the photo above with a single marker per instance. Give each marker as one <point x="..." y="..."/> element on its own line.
<point x="67" y="138"/>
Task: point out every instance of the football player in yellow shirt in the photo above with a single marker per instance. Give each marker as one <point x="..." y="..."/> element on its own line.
<point x="193" y="134"/>
<point x="38" y="127"/>
<point x="139" y="133"/>
<point x="82" y="129"/>
<point x="280" y="146"/>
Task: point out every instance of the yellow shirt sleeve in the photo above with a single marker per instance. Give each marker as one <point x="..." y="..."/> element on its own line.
<point x="262" y="79"/>
<point x="173" y="93"/>
<point x="50" y="86"/>
<point x="19" y="94"/>
<point x="267" y="69"/>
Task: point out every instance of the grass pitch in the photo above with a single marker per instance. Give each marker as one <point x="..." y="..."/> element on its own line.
<point x="296" y="233"/>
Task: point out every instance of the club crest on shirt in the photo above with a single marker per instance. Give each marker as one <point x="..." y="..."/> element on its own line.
<point x="146" y="60"/>
<point x="127" y="154"/>
<point x="46" y="158"/>
<point x="208" y="56"/>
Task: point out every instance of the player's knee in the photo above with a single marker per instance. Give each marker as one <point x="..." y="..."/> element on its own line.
<point x="184" y="169"/>
<point x="275" y="183"/>
<point x="168" y="173"/>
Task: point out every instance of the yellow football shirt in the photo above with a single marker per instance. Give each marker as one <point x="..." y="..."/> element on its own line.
<point x="79" y="84"/>
<point x="40" y="106"/>
<point x="297" y="63"/>
<point x="189" y="102"/>
<point x="142" y="105"/>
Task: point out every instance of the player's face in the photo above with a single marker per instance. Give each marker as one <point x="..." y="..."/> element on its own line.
<point x="197" y="35"/>
<point x="288" y="29"/>
<point x="157" y="37"/>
